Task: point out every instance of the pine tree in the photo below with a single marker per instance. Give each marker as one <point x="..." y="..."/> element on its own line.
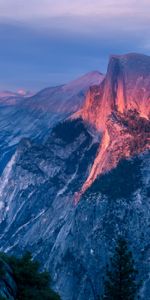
<point x="32" y="284"/>
<point x="120" y="283"/>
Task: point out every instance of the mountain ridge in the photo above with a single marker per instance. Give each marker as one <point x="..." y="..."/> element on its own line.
<point x="35" y="116"/>
<point x="67" y="97"/>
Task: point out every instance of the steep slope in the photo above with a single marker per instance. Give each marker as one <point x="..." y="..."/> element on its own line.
<point x="126" y="134"/>
<point x="34" y="117"/>
<point x="118" y="203"/>
<point x="119" y="108"/>
<point x="38" y="176"/>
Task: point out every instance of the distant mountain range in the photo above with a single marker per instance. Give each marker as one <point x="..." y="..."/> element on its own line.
<point x="12" y="98"/>
<point x="80" y="177"/>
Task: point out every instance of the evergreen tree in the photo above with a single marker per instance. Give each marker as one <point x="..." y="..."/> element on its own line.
<point x="120" y="283"/>
<point x="32" y="284"/>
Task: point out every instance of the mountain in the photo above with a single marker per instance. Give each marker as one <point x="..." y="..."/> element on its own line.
<point x="69" y="197"/>
<point x="33" y="117"/>
<point x="119" y="109"/>
<point x="12" y="98"/>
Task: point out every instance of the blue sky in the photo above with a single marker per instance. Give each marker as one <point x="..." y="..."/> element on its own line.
<point x="49" y="42"/>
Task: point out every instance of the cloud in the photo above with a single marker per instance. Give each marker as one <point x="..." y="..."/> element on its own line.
<point x="46" y="42"/>
<point x="49" y="8"/>
<point x="78" y="16"/>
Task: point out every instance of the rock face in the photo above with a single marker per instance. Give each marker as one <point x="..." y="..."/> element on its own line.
<point x="103" y="160"/>
<point x="118" y="104"/>
<point x="126" y="134"/>
<point x="39" y="176"/>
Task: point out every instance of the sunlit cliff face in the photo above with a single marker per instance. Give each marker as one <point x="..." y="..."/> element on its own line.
<point x="119" y="108"/>
<point x="125" y="87"/>
<point x="125" y="135"/>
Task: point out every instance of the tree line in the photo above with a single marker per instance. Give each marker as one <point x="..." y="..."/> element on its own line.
<point x="120" y="280"/>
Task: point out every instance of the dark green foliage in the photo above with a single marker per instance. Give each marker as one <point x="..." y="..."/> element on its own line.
<point x="121" y="181"/>
<point x="69" y="130"/>
<point x="31" y="283"/>
<point x="148" y="192"/>
<point x="120" y="283"/>
<point x="2" y="272"/>
<point x="88" y="157"/>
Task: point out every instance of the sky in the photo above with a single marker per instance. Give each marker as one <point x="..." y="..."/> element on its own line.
<point x="50" y="42"/>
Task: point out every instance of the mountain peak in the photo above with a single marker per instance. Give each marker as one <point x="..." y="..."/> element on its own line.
<point x="88" y="79"/>
<point x="126" y="86"/>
